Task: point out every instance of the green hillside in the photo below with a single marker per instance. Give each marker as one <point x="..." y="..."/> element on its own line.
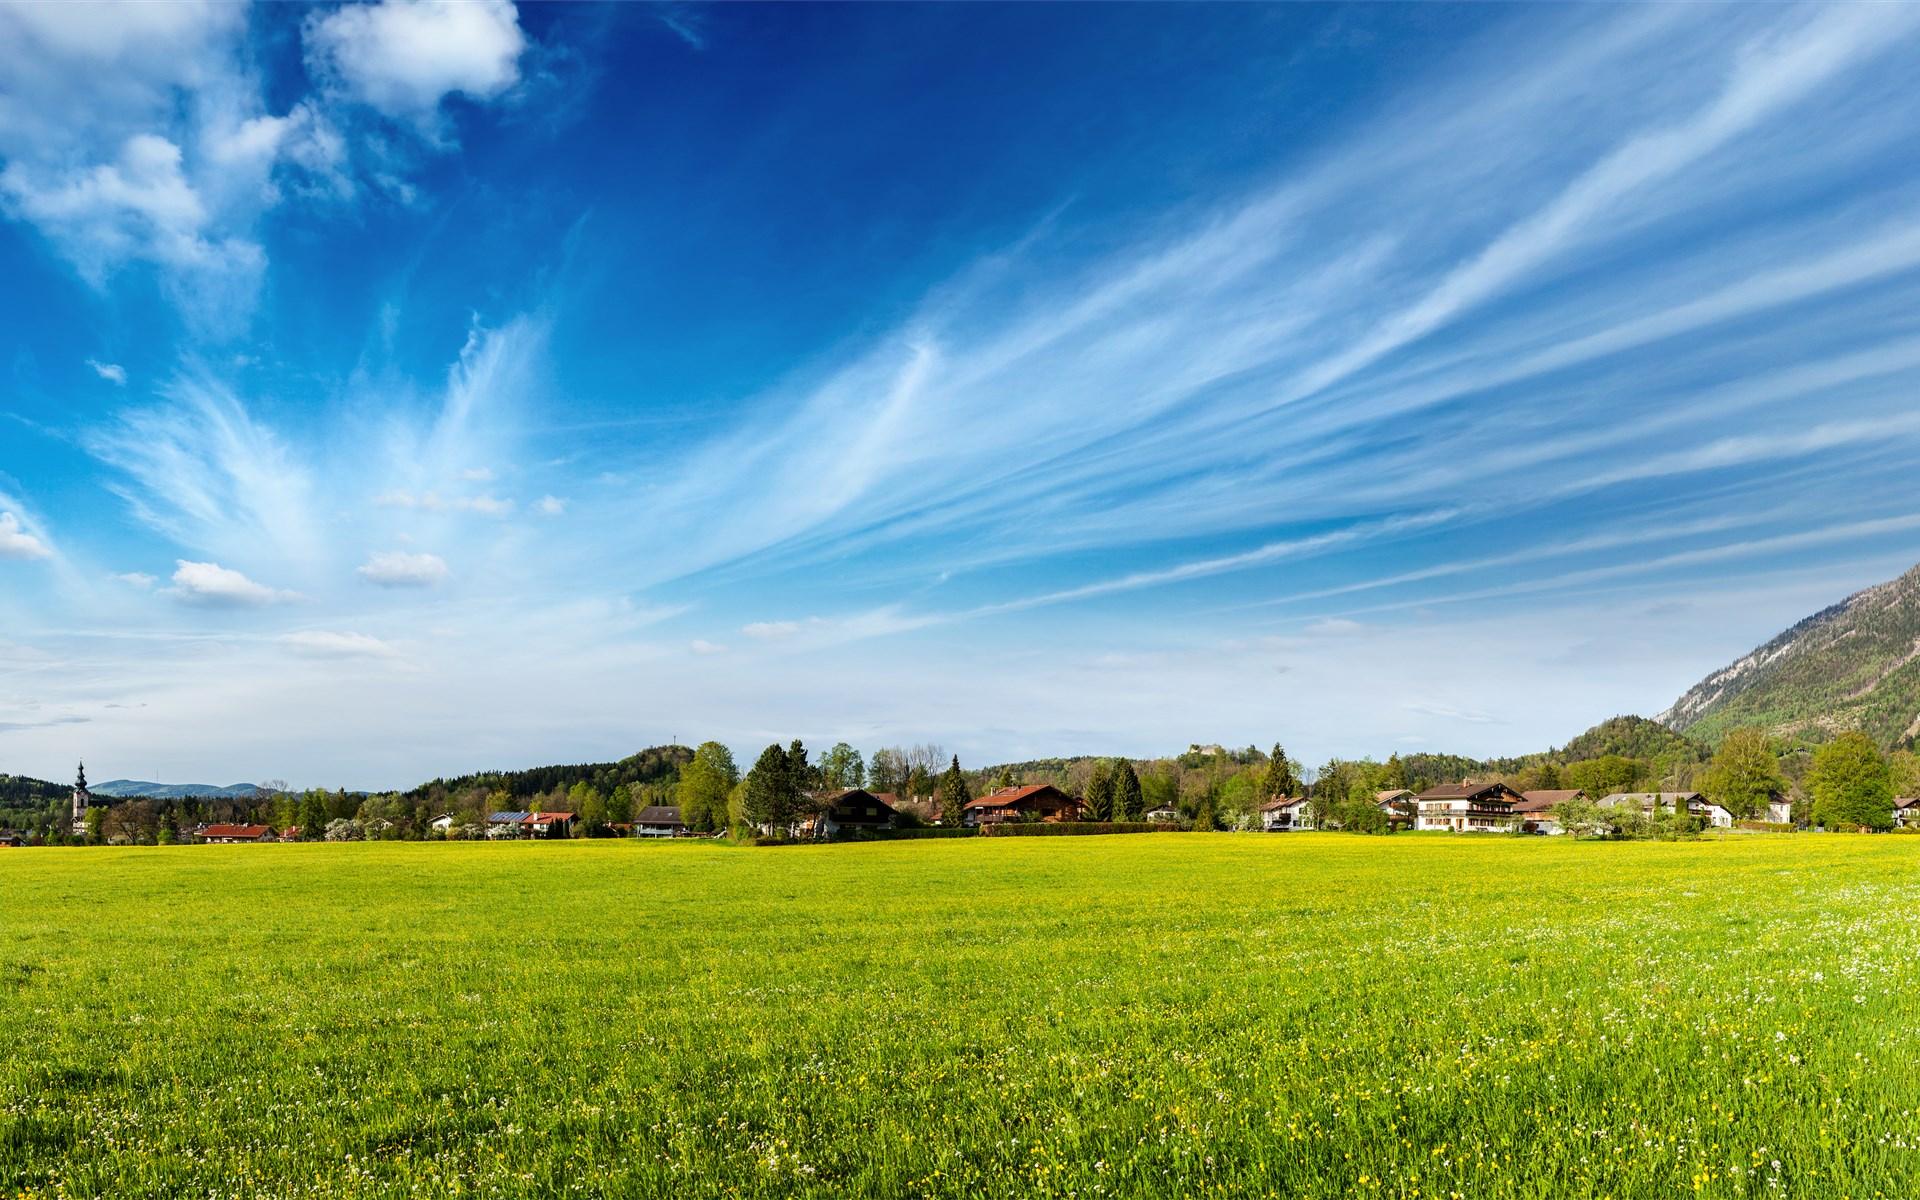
<point x="1855" y="665"/>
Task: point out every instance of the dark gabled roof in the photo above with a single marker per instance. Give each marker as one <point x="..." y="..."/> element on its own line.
<point x="1499" y="793"/>
<point x="658" y="814"/>
<point x="1541" y="801"/>
<point x="1012" y="796"/>
<point x="506" y="818"/>
<point x="1900" y="802"/>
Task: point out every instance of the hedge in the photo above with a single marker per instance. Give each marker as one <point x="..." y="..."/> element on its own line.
<point x="928" y="831"/>
<point x="1073" y="828"/>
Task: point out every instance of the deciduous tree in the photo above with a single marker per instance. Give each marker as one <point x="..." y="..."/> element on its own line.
<point x="1744" y="774"/>
<point x="1851" y="785"/>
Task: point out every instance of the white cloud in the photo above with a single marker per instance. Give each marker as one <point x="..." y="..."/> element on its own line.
<point x="16" y="542"/>
<point x="111" y="372"/>
<point x="704" y="647"/>
<point x="214" y="585"/>
<point x="322" y="643"/>
<point x="396" y="568"/>
<point x="477" y="475"/>
<point x="404" y="56"/>
<point x="138" y="579"/>
<point x="551" y="506"/>
<point x="487" y="505"/>
<point x="771" y="630"/>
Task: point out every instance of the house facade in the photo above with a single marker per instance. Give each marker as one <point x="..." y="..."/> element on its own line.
<point x="1161" y="814"/>
<point x="1036" y="802"/>
<point x="1400" y="805"/>
<point x="1286" y="813"/>
<point x="1655" y="803"/>
<point x="849" y="810"/>
<point x="659" y="820"/>
<point x="1906" y="811"/>
<point x="1534" y="811"/>
<point x="1468" y="808"/>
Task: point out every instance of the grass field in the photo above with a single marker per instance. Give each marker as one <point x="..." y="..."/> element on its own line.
<point x="1234" y="1015"/>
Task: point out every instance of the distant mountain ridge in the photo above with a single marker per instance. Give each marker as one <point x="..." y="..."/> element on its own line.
<point x="119" y="788"/>
<point x="1855" y="665"/>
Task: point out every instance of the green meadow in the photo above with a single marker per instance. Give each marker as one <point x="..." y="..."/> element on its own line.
<point x="1230" y="1015"/>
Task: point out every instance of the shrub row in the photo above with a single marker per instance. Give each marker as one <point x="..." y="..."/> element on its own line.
<point x="1074" y="828"/>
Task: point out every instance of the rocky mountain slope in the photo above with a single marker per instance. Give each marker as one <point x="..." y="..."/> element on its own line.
<point x="1855" y="665"/>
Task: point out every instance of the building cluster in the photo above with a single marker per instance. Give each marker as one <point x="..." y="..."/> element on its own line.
<point x="1497" y="808"/>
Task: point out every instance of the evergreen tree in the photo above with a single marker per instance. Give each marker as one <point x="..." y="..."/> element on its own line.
<point x="1099" y="798"/>
<point x="1281" y="779"/>
<point x="954" y="794"/>
<point x="1129" y="802"/>
<point x="313" y="815"/>
<point x="771" y="799"/>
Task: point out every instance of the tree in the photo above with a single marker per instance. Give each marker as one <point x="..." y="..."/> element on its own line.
<point x="771" y="798"/>
<point x="1604" y="776"/>
<point x="1281" y="779"/>
<point x="888" y="770"/>
<point x="1004" y="779"/>
<point x="841" y="768"/>
<point x="1744" y="774"/>
<point x="1851" y="784"/>
<point x="1129" y="802"/>
<point x="92" y="820"/>
<point x="1905" y="765"/>
<point x="1099" y="797"/>
<point x="313" y="815"/>
<point x="590" y="807"/>
<point x="620" y="805"/>
<point x="704" y="786"/>
<point x="954" y="794"/>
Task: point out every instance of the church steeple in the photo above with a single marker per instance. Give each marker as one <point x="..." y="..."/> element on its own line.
<point x="81" y="799"/>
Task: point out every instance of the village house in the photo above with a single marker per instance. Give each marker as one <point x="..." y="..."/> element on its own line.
<point x="12" y="838"/>
<point x="290" y="834"/>
<point x="442" y="823"/>
<point x="1164" y="813"/>
<point x="1906" y="811"/>
<point x="1036" y="802"/>
<point x="1778" y="810"/>
<point x="1399" y="804"/>
<point x="507" y="825"/>
<point x="223" y="835"/>
<point x="1286" y="813"/>
<point x="846" y="811"/>
<point x="659" y="820"/>
<point x="1468" y="808"/>
<point x="1535" y="809"/>
<point x="549" y="824"/>
<point x="1654" y="803"/>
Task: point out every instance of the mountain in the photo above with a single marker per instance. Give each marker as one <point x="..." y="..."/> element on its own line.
<point x="1853" y="666"/>
<point x="656" y="767"/>
<point x="118" y="788"/>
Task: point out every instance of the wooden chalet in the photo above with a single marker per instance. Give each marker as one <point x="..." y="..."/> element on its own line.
<point x="1399" y="804"/>
<point x="1035" y="802"/>
<point x="850" y="810"/>
<point x="1535" y="809"/>
<point x="1906" y="811"/>
<point x="658" y="820"/>
<point x="1468" y="808"/>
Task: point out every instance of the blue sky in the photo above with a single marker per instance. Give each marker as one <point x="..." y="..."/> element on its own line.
<point x="400" y="389"/>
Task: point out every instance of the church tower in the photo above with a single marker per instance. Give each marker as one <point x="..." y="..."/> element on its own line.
<point x="81" y="799"/>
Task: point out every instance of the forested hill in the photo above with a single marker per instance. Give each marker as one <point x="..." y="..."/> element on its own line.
<point x="655" y="766"/>
<point x="1853" y="666"/>
<point x="19" y="791"/>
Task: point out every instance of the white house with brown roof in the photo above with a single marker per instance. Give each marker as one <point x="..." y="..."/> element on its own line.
<point x="1399" y="804"/>
<point x="1286" y="813"/>
<point x="1468" y="808"/>
<point x="1906" y="811"/>
<point x="1654" y="803"/>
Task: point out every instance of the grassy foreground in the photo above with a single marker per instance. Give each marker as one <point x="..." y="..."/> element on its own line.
<point x="1235" y="1015"/>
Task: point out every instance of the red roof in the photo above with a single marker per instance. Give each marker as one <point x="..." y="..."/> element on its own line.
<point x="547" y="818"/>
<point x="235" y="831"/>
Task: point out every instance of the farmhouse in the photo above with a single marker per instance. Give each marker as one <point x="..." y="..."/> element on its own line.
<point x="290" y="834"/>
<point x="1286" y="812"/>
<point x="848" y="810"/>
<point x="443" y="822"/>
<point x="1468" y="808"/>
<point x="1778" y="810"/>
<point x="659" y="820"/>
<point x="549" y="824"/>
<point x="1164" y="813"/>
<point x="1037" y="802"/>
<point x="1906" y="811"/>
<point x="12" y="838"/>
<point x="230" y="834"/>
<point x="507" y="824"/>
<point x="1653" y="803"/>
<point x="1535" y="809"/>
<point x="1400" y="805"/>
